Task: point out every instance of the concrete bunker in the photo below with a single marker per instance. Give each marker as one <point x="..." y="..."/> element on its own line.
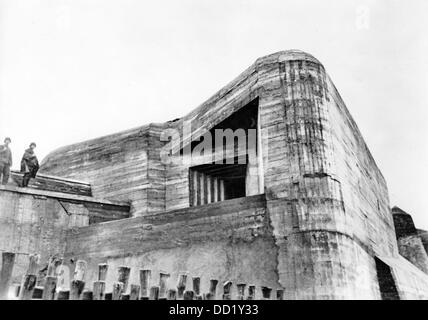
<point x="387" y="286"/>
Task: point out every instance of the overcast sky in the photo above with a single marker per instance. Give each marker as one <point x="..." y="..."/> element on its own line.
<point x="74" y="70"/>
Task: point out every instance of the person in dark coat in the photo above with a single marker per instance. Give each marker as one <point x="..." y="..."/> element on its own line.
<point x="29" y="165"/>
<point x="5" y="161"/>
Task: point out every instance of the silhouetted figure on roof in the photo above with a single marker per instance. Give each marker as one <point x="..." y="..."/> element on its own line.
<point x="5" y="161"/>
<point x="29" y="165"/>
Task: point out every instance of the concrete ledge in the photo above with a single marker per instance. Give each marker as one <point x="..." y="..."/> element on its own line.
<point x="64" y="196"/>
<point x="55" y="184"/>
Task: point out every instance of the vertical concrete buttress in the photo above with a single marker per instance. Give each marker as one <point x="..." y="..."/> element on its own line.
<point x="304" y="197"/>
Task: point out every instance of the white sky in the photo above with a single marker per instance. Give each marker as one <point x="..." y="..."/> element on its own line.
<point x="74" y="70"/>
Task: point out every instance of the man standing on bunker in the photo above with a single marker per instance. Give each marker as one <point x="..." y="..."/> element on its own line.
<point x="5" y="161"/>
<point x="29" y="165"/>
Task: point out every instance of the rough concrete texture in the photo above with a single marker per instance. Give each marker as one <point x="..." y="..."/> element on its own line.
<point x="325" y="213"/>
<point x="410" y="243"/>
<point x="216" y="241"/>
<point x="35" y="221"/>
<point x="124" y="166"/>
<point x="423" y="234"/>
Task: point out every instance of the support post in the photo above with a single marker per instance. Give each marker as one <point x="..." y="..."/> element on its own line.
<point x="208" y="189"/>
<point x="102" y="271"/>
<point x="27" y="287"/>
<point x="227" y="288"/>
<point x="145" y="276"/>
<point x="29" y="280"/>
<point x="266" y="292"/>
<point x="37" y="293"/>
<point x="87" y="295"/>
<point x="241" y="291"/>
<point x="181" y="285"/>
<point x="53" y="264"/>
<point x="49" y="288"/>
<point x="63" y="295"/>
<point x="135" y="292"/>
<point x="202" y="188"/>
<point x="98" y="292"/>
<point x="221" y="190"/>
<point x="8" y="260"/>
<point x="154" y="293"/>
<point x="251" y="292"/>
<point x="123" y="276"/>
<point x="188" y="295"/>
<point x="216" y="196"/>
<point x="211" y="295"/>
<point x="99" y="288"/>
<point x="117" y="290"/>
<point x="163" y="279"/>
<point x="172" y="294"/>
<point x="78" y="284"/>
<point x="197" y="287"/>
